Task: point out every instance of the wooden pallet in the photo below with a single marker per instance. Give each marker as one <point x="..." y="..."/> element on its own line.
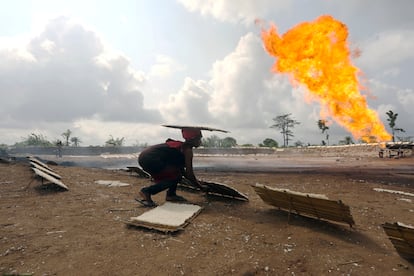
<point x="313" y="205"/>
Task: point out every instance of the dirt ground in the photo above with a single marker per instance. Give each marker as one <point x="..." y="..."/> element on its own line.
<point x="47" y="231"/>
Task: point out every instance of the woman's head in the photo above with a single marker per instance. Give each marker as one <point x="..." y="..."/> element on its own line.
<point x="192" y="136"/>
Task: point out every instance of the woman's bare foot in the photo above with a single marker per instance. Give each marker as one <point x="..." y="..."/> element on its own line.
<point x="145" y="200"/>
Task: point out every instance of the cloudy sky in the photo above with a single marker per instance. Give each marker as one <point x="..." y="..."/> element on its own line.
<point x="122" y="68"/>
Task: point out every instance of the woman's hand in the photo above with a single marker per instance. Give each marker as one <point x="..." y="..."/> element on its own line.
<point x="202" y="185"/>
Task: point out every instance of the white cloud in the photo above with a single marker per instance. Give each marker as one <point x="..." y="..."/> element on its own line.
<point x="189" y="105"/>
<point x="238" y="83"/>
<point x="406" y="98"/>
<point x="246" y="11"/>
<point x="387" y="49"/>
<point x="374" y="15"/>
<point x="164" y="67"/>
<point x="389" y="97"/>
<point x="62" y="81"/>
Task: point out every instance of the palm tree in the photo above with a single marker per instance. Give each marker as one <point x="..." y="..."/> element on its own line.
<point x="76" y="141"/>
<point x="347" y="141"/>
<point x="392" y="117"/>
<point x="66" y="135"/>
<point x="114" y="142"/>
<point x="323" y="127"/>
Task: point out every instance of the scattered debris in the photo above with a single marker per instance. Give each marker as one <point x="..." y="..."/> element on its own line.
<point x="111" y="183"/>
<point x="405" y="199"/>
<point x="55" y="232"/>
<point x="393" y="192"/>
<point x="351" y="262"/>
<point x="119" y="210"/>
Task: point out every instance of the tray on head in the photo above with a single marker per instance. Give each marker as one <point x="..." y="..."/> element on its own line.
<point x="197" y="127"/>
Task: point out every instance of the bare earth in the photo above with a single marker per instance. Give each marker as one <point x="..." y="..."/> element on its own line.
<point x="47" y="231"/>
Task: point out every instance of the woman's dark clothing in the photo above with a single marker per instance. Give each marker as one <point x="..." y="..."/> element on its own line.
<point x="165" y="163"/>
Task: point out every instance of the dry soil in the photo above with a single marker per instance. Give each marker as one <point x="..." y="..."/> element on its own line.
<point x="48" y="231"/>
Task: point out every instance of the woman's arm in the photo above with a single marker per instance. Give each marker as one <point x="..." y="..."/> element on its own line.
<point x="189" y="171"/>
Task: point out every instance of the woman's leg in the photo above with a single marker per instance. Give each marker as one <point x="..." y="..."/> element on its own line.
<point x="162" y="185"/>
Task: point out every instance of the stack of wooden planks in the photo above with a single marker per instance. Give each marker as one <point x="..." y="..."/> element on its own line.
<point x="46" y="173"/>
<point x="402" y="237"/>
<point x="314" y="205"/>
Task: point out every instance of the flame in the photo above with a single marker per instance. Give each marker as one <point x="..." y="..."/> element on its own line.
<point x="316" y="55"/>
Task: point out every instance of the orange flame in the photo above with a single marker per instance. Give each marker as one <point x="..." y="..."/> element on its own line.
<point x="316" y="55"/>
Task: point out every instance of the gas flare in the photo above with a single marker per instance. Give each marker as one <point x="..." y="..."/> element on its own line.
<point x="316" y="55"/>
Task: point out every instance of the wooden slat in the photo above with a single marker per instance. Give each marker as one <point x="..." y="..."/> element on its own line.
<point x="221" y="189"/>
<point x="402" y="238"/>
<point x="45" y="170"/>
<point x="305" y="204"/>
<point x="215" y="189"/>
<point x="40" y="163"/>
<point x="299" y="202"/>
<point x="49" y="178"/>
<point x="399" y="232"/>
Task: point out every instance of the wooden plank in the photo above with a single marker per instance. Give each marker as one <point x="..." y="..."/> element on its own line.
<point x="297" y="201"/>
<point x="288" y="199"/>
<point x="337" y="212"/>
<point x="50" y="178"/>
<point x="43" y="169"/>
<point x="399" y="233"/>
<point x="216" y="189"/>
<point x="314" y="205"/>
<point x="224" y="190"/>
<point x="37" y="161"/>
<point x="402" y="238"/>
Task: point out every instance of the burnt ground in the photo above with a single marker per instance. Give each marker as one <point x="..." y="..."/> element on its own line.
<point x="47" y="231"/>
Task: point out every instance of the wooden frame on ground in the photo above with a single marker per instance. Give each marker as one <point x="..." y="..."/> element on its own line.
<point x="314" y="205"/>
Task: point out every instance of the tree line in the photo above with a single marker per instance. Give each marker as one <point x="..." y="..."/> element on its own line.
<point x="284" y="123"/>
<point x="34" y="139"/>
